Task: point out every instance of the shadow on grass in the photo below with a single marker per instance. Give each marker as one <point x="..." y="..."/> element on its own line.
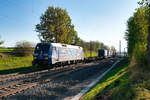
<point x="23" y="70"/>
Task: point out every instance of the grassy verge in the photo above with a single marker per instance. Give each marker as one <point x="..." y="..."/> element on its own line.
<point x="124" y="82"/>
<point x="136" y="86"/>
<point x="6" y="50"/>
<point x="10" y="63"/>
<point x="110" y="80"/>
<point x="87" y="54"/>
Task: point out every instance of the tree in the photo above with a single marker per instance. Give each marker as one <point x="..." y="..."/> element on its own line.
<point x="137" y="34"/>
<point x="55" y="26"/>
<point x="148" y="39"/>
<point x="146" y="4"/>
<point x="1" y="42"/>
<point x="113" y="49"/>
<point x="23" y="48"/>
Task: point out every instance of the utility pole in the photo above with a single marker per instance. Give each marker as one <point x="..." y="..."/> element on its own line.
<point x="120" y="47"/>
<point x="148" y="39"/>
<point x="124" y="52"/>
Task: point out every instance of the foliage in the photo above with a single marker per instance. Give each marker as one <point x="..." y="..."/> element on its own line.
<point x="113" y="49"/>
<point x="92" y="46"/>
<point x="23" y="48"/>
<point x="55" y="26"/>
<point x="140" y="55"/>
<point x="1" y="42"/>
<point x="87" y="54"/>
<point x="137" y="33"/>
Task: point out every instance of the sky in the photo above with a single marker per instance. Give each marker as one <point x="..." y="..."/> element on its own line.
<point x="102" y="20"/>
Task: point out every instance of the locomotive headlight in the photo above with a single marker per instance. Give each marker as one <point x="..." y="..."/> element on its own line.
<point x="46" y="58"/>
<point x="35" y="57"/>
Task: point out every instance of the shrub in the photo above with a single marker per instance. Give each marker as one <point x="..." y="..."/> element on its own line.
<point x="140" y="55"/>
<point x="23" y="48"/>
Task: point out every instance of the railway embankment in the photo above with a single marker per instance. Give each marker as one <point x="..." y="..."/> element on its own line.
<point x="127" y="81"/>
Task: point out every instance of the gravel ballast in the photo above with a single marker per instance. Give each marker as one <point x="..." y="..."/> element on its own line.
<point x="66" y="87"/>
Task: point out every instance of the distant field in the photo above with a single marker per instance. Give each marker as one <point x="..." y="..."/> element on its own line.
<point x="5" y="50"/>
<point x="10" y="63"/>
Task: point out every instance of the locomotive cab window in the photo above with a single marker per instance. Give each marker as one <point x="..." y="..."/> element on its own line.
<point x="42" y="47"/>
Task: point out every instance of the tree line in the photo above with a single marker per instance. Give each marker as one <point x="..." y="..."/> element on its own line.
<point x="137" y="34"/>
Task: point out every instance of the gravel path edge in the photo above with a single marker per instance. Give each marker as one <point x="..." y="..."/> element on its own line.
<point x="85" y="90"/>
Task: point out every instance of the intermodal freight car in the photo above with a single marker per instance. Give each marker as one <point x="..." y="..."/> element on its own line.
<point x="103" y="53"/>
<point x="57" y="54"/>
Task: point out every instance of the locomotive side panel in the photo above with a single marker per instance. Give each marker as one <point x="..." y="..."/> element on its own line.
<point x="68" y="53"/>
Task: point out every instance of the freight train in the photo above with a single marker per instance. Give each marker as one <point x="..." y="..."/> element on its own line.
<point x="57" y="54"/>
<point x="106" y="53"/>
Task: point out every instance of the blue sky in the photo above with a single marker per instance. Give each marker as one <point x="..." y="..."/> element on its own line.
<point x="102" y="20"/>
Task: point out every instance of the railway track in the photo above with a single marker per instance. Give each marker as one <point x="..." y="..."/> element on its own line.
<point x="28" y="74"/>
<point x="36" y="78"/>
<point x="17" y="75"/>
<point x="10" y="89"/>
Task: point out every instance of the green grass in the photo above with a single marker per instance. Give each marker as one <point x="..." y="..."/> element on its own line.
<point x="10" y="63"/>
<point x="134" y="87"/>
<point x="124" y="82"/>
<point x="6" y="50"/>
<point x="119" y="72"/>
<point x="87" y="54"/>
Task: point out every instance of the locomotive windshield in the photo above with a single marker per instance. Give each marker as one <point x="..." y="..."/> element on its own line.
<point x="42" y="47"/>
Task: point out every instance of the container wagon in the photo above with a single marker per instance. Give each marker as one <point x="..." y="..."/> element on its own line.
<point x="102" y="53"/>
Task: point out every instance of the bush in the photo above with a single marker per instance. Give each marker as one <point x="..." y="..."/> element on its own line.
<point x="140" y="55"/>
<point x="23" y="48"/>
